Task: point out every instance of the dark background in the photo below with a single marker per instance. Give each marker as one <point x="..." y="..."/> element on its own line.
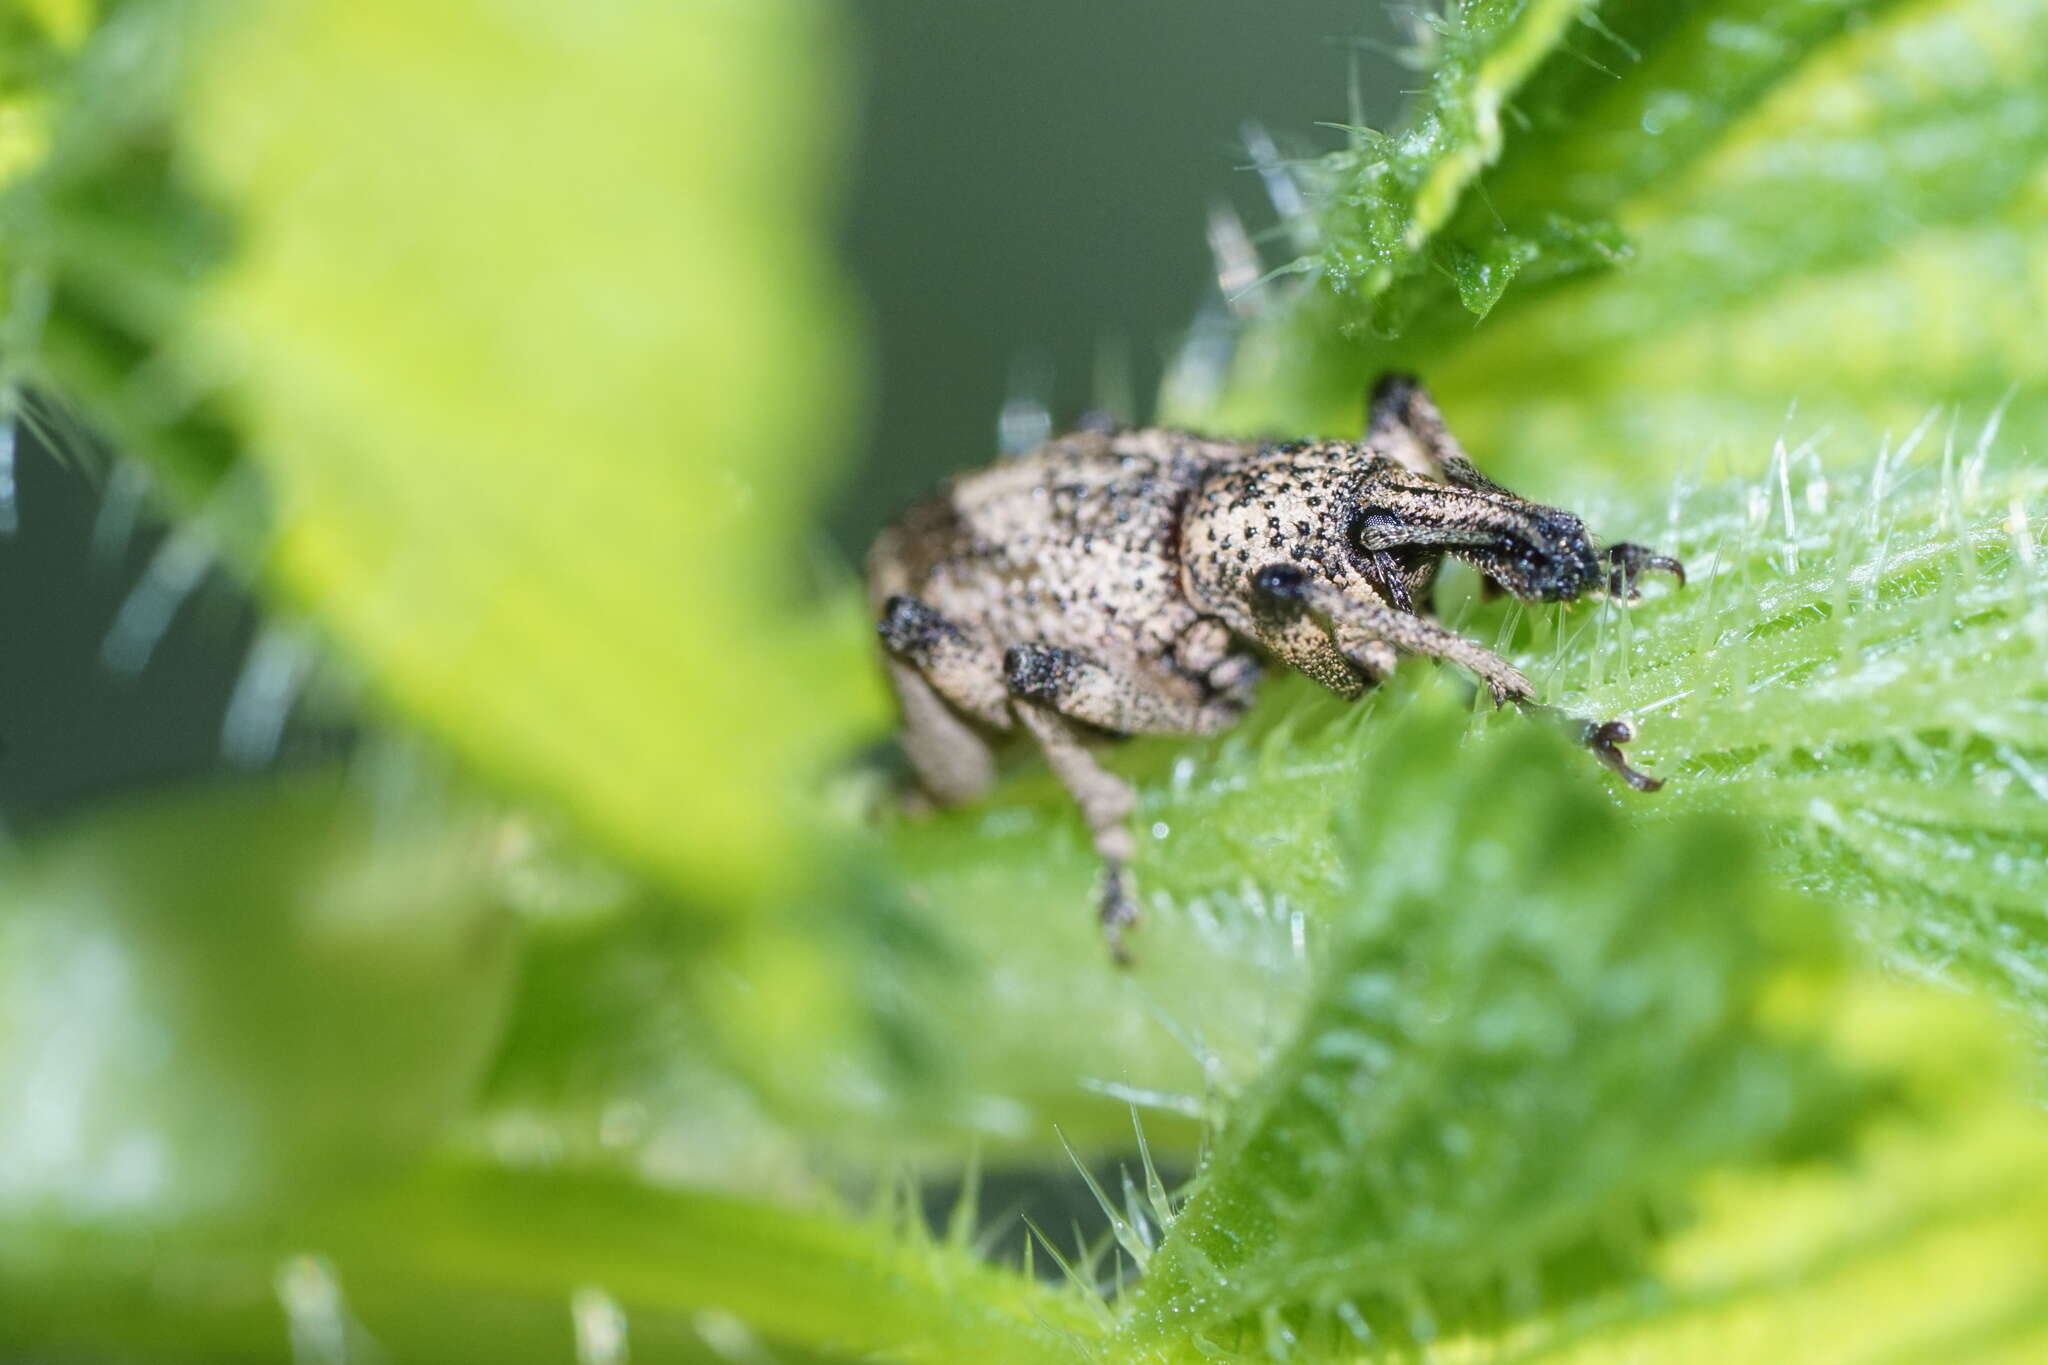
<point x="1033" y="188"/>
<point x="1029" y="191"/>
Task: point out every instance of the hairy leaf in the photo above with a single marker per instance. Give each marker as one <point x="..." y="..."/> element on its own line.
<point x="1531" y="1025"/>
<point x="1702" y="222"/>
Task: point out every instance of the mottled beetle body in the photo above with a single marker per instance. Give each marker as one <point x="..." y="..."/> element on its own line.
<point x="1134" y="582"/>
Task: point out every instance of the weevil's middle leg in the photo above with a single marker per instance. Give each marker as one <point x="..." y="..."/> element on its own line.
<point x="1106" y="802"/>
<point x="1084" y="690"/>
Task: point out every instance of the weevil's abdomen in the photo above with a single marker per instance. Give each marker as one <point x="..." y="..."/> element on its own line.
<point x="1074" y="545"/>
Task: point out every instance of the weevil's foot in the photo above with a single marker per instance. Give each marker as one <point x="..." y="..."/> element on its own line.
<point x="1629" y="562"/>
<point x="1605" y="738"/>
<point x="1507" y="685"/>
<point x="1119" y="912"/>
<point x="1602" y="738"/>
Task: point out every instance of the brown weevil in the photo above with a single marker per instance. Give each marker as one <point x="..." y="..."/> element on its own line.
<point x="1121" y="582"/>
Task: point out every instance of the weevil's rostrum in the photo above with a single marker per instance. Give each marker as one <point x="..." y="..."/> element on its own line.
<point x="1137" y="582"/>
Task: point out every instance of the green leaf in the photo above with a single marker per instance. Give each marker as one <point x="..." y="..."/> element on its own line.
<point x="1858" y="671"/>
<point x="224" y="1001"/>
<point x="1531" y="1026"/>
<point x="1391" y="196"/>
<point x="1924" y="1240"/>
<point x="541" y="365"/>
<point x="466" y="1263"/>
<point x="474" y="330"/>
<point x="1703" y="224"/>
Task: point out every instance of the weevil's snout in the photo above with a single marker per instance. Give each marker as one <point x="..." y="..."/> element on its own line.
<point x="1533" y="551"/>
<point x="1547" y="557"/>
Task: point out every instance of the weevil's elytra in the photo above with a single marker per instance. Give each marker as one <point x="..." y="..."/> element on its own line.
<point x="1137" y="582"/>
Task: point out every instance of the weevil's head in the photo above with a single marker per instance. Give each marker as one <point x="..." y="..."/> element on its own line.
<point x="1291" y="505"/>
<point x="1538" y="553"/>
<point x="1355" y="518"/>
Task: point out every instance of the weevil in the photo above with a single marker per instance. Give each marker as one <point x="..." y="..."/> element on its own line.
<point x="1120" y="582"/>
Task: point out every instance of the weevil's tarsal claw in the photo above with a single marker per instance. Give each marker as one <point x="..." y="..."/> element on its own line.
<point x="1629" y="562"/>
<point x="1605" y="738"/>
<point x="1119" y="911"/>
<point x="1602" y="738"/>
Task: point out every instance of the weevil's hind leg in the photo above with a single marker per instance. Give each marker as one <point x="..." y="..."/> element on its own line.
<point x="1054" y="689"/>
<point x="1402" y="421"/>
<point x="953" y="762"/>
<point x="1106" y="802"/>
<point x="941" y="676"/>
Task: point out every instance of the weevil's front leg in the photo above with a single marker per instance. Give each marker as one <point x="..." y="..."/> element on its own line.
<point x="1601" y="738"/>
<point x="1084" y="690"/>
<point x="1630" y="562"/>
<point x="1106" y="802"/>
<point x="1356" y="623"/>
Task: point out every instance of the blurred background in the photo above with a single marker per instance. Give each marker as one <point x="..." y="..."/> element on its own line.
<point x="558" y="362"/>
<point x="1024" y="205"/>
<point x="1027" y="210"/>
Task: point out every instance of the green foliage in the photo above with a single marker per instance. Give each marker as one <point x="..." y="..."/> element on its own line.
<point x="1862" y="676"/>
<point x="463" y="322"/>
<point x="186" y="1028"/>
<point x="1528" y="1030"/>
<point x="1718" y="214"/>
<point x="687" y="356"/>
<point x="1460" y="1048"/>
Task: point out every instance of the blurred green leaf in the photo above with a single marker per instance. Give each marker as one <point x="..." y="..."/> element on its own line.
<point x="520" y="327"/>
<point x="1925" y="1244"/>
<point x="543" y="363"/>
<point x="463" y="1263"/>
<point x="228" y="1000"/>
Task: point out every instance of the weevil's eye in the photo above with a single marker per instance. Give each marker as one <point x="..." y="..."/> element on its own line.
<point x="1280" y="583"/>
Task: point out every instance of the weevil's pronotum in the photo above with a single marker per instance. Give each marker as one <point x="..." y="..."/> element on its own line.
<point x="1120" y="582"/>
